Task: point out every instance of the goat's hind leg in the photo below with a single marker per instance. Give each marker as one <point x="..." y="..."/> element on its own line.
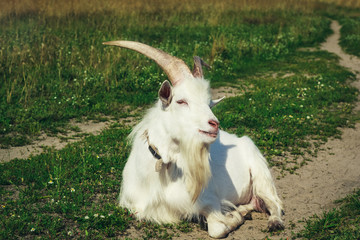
<point x="273" y="206"/>
<point x="258" y="204"/>
<point x="265" y="199"/>
<point x="263" y="189"/>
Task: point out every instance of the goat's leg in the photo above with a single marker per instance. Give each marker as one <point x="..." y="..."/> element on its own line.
<point x="266" y="199"/>
<point x="216" y="226"/>
<point x="259" y="205"/>
<point x="274" y="208"/>
<point x="220" y="225"/>
<point x="267" y="204"/>
<point x="264" y="191"/>
<point x="245" y="209"/>
<point x="233" y="218"/>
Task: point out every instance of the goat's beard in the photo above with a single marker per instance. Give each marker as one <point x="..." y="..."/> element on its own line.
<point x="196" y="155"/>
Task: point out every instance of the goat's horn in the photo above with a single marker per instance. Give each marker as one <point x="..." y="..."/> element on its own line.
<point x="198" y="63"/>
<point x="215" y="102"/>
<point x="175" y="68"/>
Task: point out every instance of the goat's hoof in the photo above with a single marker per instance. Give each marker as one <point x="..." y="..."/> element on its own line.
<point x="275" y="225"/>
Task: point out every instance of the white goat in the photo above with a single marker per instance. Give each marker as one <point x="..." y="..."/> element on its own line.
<point x="181" y="166"/>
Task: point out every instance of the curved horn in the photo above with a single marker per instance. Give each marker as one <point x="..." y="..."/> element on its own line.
<point x="198" y="63"/>
<point x="175" y="68"/>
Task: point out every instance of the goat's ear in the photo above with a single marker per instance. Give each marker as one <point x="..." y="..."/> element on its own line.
<point x="198" y="63"/>
<point x="165" y="93"/>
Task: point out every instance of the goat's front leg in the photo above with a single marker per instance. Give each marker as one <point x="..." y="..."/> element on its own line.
<point x="220" y="225"/>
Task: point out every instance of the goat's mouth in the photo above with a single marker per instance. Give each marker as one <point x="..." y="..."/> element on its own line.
<point x="210" y="134"/>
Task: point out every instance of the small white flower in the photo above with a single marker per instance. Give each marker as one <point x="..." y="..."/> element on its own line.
<point x="307" y="117"/>
<point x="96" y="215"/>
<point x="86" y="217"/>
<point x="102" y="216"/>
<point x="70" y="233"/>
<point x="50" y="182"/>
<point x="32" y="230"/>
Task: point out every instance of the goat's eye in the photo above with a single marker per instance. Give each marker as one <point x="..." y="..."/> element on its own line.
<point x="183" y="102"/>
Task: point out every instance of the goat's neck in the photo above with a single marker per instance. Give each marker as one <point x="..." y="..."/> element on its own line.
<point x="188" y="154"/>
<point x="167" y="147"/>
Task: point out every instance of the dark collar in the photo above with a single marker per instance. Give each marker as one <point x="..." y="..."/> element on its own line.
<point x="155" y="152"/>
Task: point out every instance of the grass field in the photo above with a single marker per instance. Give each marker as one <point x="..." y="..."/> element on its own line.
<point x="53" y="68"/>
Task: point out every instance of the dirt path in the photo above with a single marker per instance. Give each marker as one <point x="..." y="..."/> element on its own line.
<point x="44" y="140"/>
<point x="333" y="174"/>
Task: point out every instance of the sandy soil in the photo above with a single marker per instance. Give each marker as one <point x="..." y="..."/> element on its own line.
<point x="334" y="173"/>
<point x="57" y="142"/>
<point x="220" y="92"/>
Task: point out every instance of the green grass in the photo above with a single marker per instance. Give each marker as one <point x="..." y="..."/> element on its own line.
<point x="340" y="223"/>
<point x="66" y="192"/>
<point x="350" y="35"/>
<point x="54" y="68"/>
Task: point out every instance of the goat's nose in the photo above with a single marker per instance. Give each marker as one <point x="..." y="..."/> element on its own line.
<point x="214" y="124"/>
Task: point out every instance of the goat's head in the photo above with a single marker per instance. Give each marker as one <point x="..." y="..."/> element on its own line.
<point x="186" y="102"/>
